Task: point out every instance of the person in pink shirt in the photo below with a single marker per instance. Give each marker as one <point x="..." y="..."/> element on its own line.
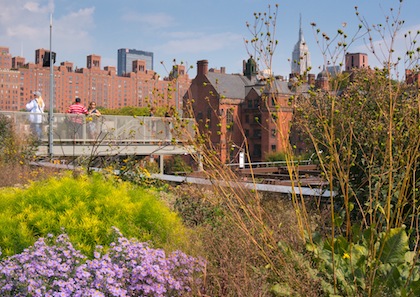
<point x="77" y="120"/>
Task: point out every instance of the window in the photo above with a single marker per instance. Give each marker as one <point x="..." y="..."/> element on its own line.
<point x="257" y="150"/>
<point x="273" y="102"/>
<point x="209" y="117"/>
<point x="229" y="120"/>
<point x="247" y="118"/>
<point x="273" y="132"/>
<point x="256" y="103"/>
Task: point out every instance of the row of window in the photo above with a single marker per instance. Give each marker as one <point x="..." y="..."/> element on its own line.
<point x="255" y="103"/>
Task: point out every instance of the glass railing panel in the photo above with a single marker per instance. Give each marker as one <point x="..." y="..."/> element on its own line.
<point x="80" y="128"/>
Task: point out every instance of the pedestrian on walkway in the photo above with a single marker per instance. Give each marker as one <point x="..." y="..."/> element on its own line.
<point x="36" y="108"/>
<point x="92" y="120"/>
<point x="76" y="120"/>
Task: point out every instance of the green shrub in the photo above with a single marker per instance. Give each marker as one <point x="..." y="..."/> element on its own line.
<point x="86" y="208"/>
<point x="276" y="156"/>
<point x="127" y="111"/>
<point x="176" y="165"/>
<point x="395" y="271"/>
<point x="14" y="149"/>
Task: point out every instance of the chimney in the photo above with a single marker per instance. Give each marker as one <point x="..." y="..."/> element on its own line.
<point x="311" y="79"/>
<point x="223" y="70"/>
<point x="202" y="67"/>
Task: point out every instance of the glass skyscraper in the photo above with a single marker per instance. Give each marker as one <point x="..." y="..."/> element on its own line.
<point x="127" y="56"/>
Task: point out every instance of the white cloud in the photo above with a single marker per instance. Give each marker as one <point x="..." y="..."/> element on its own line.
<point x="72" y="34"/>
<point x="23" y="23"/>
<point x="22" y="31"/>
<point x="33" y="7"/>
<point x="25" y="27"/>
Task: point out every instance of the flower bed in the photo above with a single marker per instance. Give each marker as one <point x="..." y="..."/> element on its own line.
<point x="52" y="267"/>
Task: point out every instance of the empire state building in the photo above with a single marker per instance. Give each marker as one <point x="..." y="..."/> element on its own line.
<point x="301" y="58"/>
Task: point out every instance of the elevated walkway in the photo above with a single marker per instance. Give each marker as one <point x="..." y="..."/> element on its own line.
<point x="80" y="135"/>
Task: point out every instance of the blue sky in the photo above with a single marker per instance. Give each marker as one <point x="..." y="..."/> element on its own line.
<point x="185" y="30"/>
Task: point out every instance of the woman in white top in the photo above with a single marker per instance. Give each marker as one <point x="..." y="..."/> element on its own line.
<point x="36" y="108"/>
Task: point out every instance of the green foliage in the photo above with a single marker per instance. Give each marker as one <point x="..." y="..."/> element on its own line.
<point x="196" y="210"/>
<point x="12" y="148"/>
<point x="395" y="271"/>
<point x="6" y="131"/>
<point x="136" y="111"/>
<point x="138" y="171"/>
<point x="86" y="208"/>
<point x="276" y="156"/>
<point x="369" y="136"/>
<point x="127" y="111"/>
<point x="177" y="164"/>
<point x="367" y="125"/>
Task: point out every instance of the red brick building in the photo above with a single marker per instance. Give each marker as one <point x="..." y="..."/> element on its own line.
<point x="240" y="111"/>
<point x="412" y="77"/>
<point x="356" y="60"/>
<point x="142" y="87"/>
<point x="248" y="111"/>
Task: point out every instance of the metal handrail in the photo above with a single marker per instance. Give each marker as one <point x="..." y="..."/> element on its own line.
<point x="271" y="164"/>
<point x="127" y="129"/>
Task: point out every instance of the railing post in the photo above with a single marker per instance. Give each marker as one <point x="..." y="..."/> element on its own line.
<point x="161" y="164"/>
<point x="200" y="162"/>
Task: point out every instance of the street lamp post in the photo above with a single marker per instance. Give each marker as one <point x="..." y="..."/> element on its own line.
<point x="51" y="109"/>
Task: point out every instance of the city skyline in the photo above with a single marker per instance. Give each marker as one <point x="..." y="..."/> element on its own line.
<point x="185" y="32"/>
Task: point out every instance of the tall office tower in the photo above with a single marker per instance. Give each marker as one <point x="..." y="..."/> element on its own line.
<point x="301" y="58"/>
<point x="127" y="56"/>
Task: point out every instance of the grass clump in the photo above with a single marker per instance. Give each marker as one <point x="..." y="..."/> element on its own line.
<point x="86" y="209"/>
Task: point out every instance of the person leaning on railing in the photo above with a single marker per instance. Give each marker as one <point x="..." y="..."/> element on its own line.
<point x="91" y="120"/>
<point x="76" y="122"/>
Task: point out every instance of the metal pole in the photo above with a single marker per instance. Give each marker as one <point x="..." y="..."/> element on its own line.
<point x="51" y="109"/>
<point x="241" y="159"/>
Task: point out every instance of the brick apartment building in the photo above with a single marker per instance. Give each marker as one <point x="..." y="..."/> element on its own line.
<point x="142" y="87"/>
<point x="240" y="111"/>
